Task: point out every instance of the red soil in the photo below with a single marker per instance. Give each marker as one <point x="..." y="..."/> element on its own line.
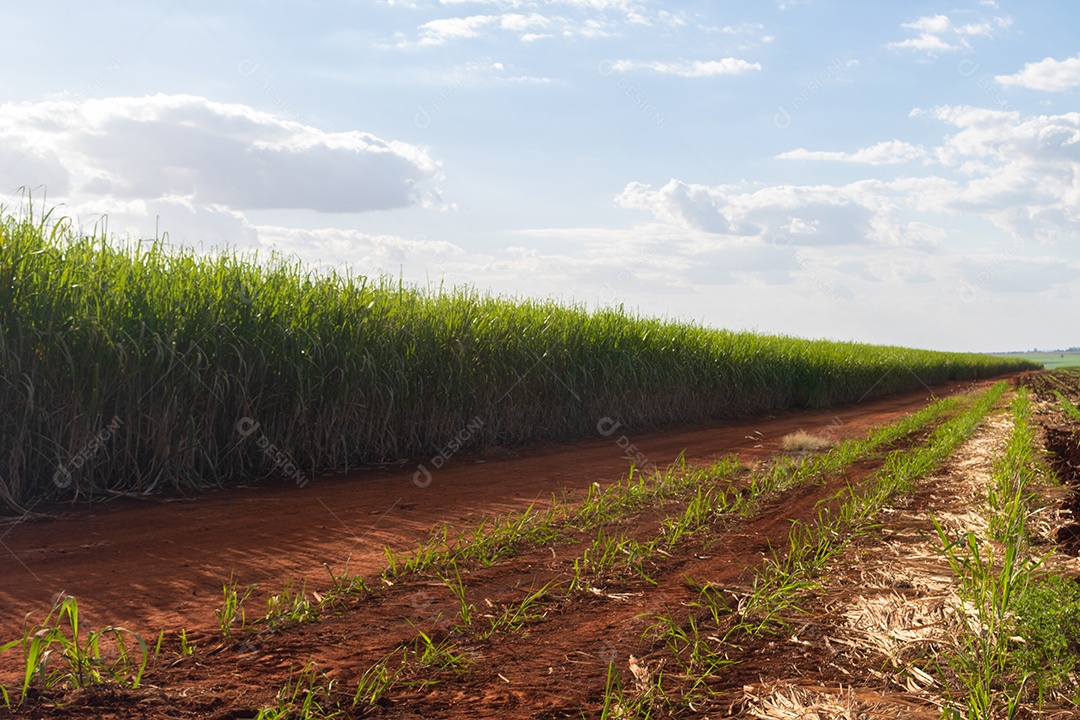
<point x="160" y="565"/>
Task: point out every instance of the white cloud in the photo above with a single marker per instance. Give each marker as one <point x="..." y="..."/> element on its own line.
<point x="624" y="6"/>
<point x="602" y="5"/>
<point x="692" y="69"/>
<point x="983" y="28"/>
<point x="1020" y="173"/>
<point x="1050" y="75"/>
<point x="935" y="34"/>
<point x="884" y="153"/>
<point x="853" y="214"/>
<point x="209" y="154"/>
<point x="569" y="18"/>
<point x="437" y="32"/>
<point x="518" y="22"/>
<point x="926" y="43"/>
<point x="741" y="29"/>
<point x="935" y="24"/>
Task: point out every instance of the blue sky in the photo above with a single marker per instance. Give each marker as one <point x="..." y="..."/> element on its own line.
<point x="891" y="172"/>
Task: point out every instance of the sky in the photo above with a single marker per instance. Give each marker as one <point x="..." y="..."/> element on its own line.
<point x="903" y="173"/>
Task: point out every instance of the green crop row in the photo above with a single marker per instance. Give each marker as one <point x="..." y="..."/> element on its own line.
<point x="1021" y="621"/>
<point x="813" y="545"/>
<point x="141" y="367"/>
<point x="1068" y="407"/>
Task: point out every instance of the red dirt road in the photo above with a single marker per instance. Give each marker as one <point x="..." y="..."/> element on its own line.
<point x="155" y="565"/>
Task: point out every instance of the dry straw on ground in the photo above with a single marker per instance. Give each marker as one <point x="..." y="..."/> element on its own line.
<point x="886" y="616"/>
<point x="788" y="700"/>
<point x="802" y="441"/>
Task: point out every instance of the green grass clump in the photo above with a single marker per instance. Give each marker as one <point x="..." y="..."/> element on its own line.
<point x="142" y="367"/>
<point x="57" y="654"/>
<point x="232" y="616"/>
<point x="419" y="664"/>
<point x="309" y="695"/>
<point x="1068" y="407"/>
<point x="1022" y="626"/>
<point x="1048" y="619"/>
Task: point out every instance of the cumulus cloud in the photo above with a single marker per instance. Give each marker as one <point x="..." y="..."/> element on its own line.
<point x="929" y="38"/>
<point x="692" y="69"/>
<point x="1050" y="75"/>
<point x="858" y="214"/>
<point x="203" y="153"/>
<point x="784" y="215"/>
<point x="1021" y="173"/>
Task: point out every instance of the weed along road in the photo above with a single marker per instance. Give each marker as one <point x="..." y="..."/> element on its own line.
<point x="149" y="565"/>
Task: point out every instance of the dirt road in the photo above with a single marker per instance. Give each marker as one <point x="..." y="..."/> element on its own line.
<point x="153" y="564"/>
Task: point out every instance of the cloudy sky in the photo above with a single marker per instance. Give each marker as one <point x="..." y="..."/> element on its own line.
<point x="895" y="172"/>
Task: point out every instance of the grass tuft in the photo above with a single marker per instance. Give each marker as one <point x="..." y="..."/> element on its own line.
<point x="57" y="654"/>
